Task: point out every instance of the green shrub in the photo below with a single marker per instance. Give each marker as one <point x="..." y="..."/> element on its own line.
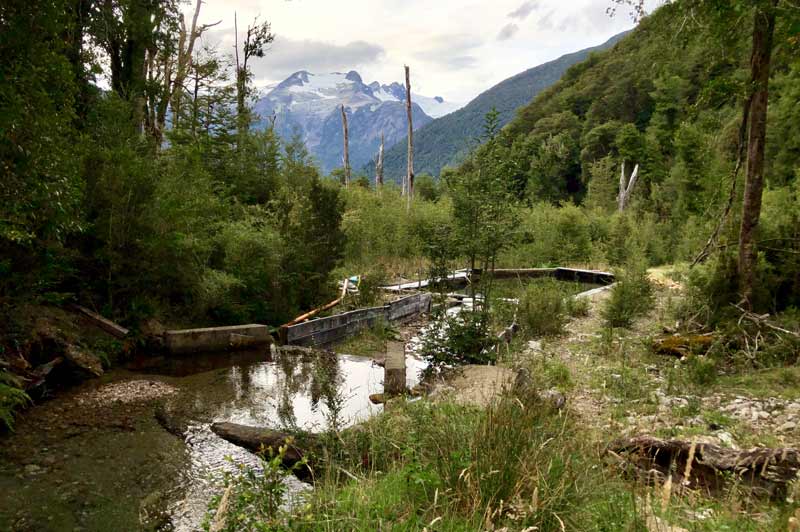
<point x="369" y="292"/>
<point x="577" y="307"/>
<point x="631" y="297"/>
<point x="11" y="398"/>
<point x="463" y="338"/>
<point x="702" y="370"/>
<point x="542" y="310"/>
<point x="253" y="499"/>
<point x="557" y="374"/>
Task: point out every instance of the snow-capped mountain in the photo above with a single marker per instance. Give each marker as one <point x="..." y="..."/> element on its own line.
<point x="308" y="105"/>
<point x="433" y="107"/>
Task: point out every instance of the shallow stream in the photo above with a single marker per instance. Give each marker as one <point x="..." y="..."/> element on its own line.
<point x="95" y="458"/>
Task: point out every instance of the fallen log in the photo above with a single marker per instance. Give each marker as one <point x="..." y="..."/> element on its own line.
<point x="709" y="466"/>
<point x="105" y="324"/>
<point x="683" y="345"/>
<point x="263" y="440"/>
<point x="84" y="361"/>
<point x="310" y="314"/>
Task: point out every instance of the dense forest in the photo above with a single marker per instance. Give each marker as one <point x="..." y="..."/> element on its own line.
<point x="133" y="184"/>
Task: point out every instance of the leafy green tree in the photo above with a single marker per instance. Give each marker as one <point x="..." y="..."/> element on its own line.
<point x="482" y="214"/>
<point x="426" y="187"/>
<point x="40" y="184"/>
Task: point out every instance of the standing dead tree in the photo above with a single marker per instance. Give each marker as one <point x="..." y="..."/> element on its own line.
<point x="379" y="167"/>
<point x="626" y="186"/>
<point x="346" y="157"/>
<point x="185" y="59"/>
<point x="410" y="170"/>
<point x="763" y="33"/>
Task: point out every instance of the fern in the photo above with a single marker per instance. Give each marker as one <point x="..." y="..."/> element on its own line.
<point x="11" y="398"/>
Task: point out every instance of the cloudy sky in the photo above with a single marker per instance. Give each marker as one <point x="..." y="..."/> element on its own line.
<point x="456" y="48"/>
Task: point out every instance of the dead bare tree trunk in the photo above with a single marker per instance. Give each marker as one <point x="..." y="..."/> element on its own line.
<point x="186" y="43"/>
<point x="379" y="167"/>
<point x="763" y="31"/>
<point x="410" y="170"/>
<point x="346" y="159"/>
<point x="241" y="79"/>
<point x="626" y="186"/>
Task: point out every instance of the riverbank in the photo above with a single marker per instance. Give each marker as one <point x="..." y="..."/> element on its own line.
<point x="517" y="463"/>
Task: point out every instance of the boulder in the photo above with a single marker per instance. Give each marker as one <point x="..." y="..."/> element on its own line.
<point x="83" y="360"/>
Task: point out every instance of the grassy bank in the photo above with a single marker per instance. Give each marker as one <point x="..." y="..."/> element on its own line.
<point x="520" y="464"/>
<point x="443" y="466"/>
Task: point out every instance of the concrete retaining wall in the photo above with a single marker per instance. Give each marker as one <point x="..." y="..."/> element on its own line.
<point x="326" y="331"/>
<point x="462" y="277"/>
<point x="216" y="338"/>
<point x="583" y="276"/>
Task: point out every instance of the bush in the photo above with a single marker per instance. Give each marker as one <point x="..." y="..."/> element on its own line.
<point x="542" y="310"/>
<point x="463" y="338"/>
<point x="577" y="307"/>
<point x="253" y="499"/>
<point x="702" y="370"/>
<point x="631" y="297"/>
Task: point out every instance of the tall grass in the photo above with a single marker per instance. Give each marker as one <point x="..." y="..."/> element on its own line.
<point x="443" y="466"/>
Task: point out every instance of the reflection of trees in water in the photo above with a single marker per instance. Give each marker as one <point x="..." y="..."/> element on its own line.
<point x="315" y="373"/>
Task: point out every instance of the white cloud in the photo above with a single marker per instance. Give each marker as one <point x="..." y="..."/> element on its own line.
<point x="453" y="46"/>
<point x="524" y="10"/>
<point x="507" y="31"/>
<point x="288" y="55"/>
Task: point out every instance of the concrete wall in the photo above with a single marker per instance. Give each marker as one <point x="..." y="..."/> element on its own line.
<point x="327" y="331"/>
<point x="216" y="338"/>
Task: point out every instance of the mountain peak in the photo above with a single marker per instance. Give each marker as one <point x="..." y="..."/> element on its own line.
<point x="354" y="76"/>
<point x="298" y="79"/>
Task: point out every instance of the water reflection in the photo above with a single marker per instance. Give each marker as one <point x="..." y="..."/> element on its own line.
<point x="111" y="447"/>
<point x="290" y="390"/>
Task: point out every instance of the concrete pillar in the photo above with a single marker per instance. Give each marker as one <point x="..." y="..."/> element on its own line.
<point x="394" y="374"/>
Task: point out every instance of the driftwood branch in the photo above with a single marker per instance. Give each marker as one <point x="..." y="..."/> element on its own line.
<point x="263" y="440"/>
<point x="310" y="314"/>
<point x="762" y="319"/>
<point x="709" y="466"/>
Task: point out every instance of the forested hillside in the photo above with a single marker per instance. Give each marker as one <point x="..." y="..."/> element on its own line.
<point x="667" y="98"/>
<point x="447" y="140"/>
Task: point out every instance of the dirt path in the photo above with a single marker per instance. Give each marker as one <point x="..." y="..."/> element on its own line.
<point x="619" y="387"/>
